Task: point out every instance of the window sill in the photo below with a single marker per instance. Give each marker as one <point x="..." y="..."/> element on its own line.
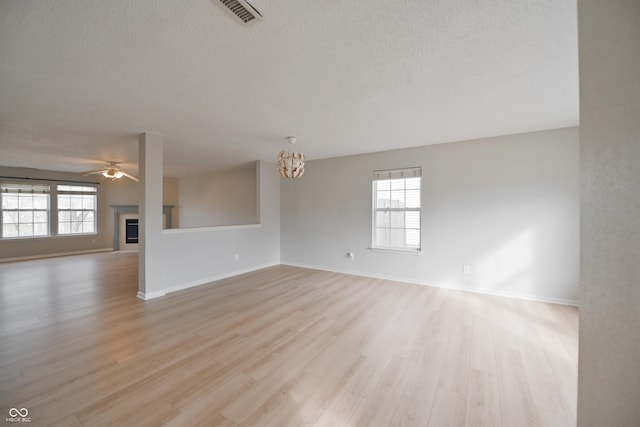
<point x="48" y="237"/>
<point x="397" y="251"/>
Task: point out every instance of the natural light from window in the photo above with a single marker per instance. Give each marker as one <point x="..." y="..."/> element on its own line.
<point x="510" y="263"/>
<point x="396" y="209"/>
<point x="25" y="210"/>
<point x="76" y="209"/>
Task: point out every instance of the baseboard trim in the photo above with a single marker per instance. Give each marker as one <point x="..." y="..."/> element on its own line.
<point x="55" y="255"/>
<point x="150" y="295"/>
<point x="561" y="301"/>
<point x="208" y="280"/>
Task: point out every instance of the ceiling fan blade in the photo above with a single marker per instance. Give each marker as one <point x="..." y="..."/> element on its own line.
<point x="98" y="172"/>
<point x="131" y="177"/>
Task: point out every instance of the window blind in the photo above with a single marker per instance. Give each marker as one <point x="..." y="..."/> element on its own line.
<point x="414" y="172"/>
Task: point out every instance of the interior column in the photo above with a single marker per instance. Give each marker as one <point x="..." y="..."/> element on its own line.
<point x="150" y="212"/>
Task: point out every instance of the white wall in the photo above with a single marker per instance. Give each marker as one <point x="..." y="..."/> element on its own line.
<point x="506" y="206"/>
<point x="609" y="368"/>
<point x="182" y="258"/>
<point x="220" y="198"/>
<point x="170" y="197"/>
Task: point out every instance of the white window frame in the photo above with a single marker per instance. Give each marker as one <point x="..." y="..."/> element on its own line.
<point x="388" y="175"/>
<point x="21" y="188"/>
<point x="77" y="190"/>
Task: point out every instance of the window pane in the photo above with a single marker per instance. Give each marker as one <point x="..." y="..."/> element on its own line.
<point x="382" y="193"/>
<point x="413" y="198"/>
<point x="413" y="238"/>
<point x="78" y="221"/>
<point x="10" y="230"/>
<point x="64" y="202"/>
<point x="41" y="229"/>
<point x="40" y="216"/>
<point x="382" y="237"/>
<point x="76" y="202"/>
<point x="88" y="202"/>
<point x="41" y="201"/>
<point x="396" y="239"/>
<point x="412" y="219"/>
<point x="77" y="188"/>
<point x="383" y="199"/>
<point x="397" y="184"/>
<point x="382" y="219"/>
<point x="25" y="201"/>
<point x="9" y="201"/>
<point x="10" y="217"/>
<point x="25" y="230"/>
<point x="397" y="199"/>
<point x="25" y="216"/>
<point x="397" y="219"/>
<point x="383" y="184"/>
<point x="412" y="183"/>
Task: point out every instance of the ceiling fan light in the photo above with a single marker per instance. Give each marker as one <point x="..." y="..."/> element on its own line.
<point x="112" y="173"/>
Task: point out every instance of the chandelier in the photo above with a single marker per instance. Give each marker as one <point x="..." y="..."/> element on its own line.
<point x="290" y="163"/>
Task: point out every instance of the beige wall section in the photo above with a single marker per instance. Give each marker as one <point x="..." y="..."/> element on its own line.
<point x="121" y="192"/>
<point x="609" y="368"/>
<point x="506" y="206"/>
<point x="220" y="198"/>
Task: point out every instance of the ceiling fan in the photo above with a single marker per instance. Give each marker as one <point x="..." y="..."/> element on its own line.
<point x="112" y="171"/>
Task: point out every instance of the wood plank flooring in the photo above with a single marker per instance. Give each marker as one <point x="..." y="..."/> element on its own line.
<point x="282" y="346"/>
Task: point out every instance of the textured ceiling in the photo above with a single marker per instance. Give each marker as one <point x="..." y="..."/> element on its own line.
<point x="80" y="79"/>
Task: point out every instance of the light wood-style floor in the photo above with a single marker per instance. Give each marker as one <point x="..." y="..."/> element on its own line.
<point x="279" y="347"/>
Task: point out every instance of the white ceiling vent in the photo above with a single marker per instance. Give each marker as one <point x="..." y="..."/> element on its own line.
<point x="242" y="9"/>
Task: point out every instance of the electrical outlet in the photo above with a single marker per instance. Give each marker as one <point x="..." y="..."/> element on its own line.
<point x="466" y="269"/>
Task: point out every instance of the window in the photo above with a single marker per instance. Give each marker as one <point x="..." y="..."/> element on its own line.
<point x="396" y="209"/>
<point x="25" y="210"/>
<point x="76" y="209"/>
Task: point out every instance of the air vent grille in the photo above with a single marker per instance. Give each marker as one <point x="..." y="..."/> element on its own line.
<point x="242" y="9"/>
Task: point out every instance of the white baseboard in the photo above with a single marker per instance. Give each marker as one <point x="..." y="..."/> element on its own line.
<point x="54" y="255"/>
<point x="354" y="273"/>
<point x="150" y="295"/>
<point x="210" y="279"/>
<point x="561" y="301"/>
